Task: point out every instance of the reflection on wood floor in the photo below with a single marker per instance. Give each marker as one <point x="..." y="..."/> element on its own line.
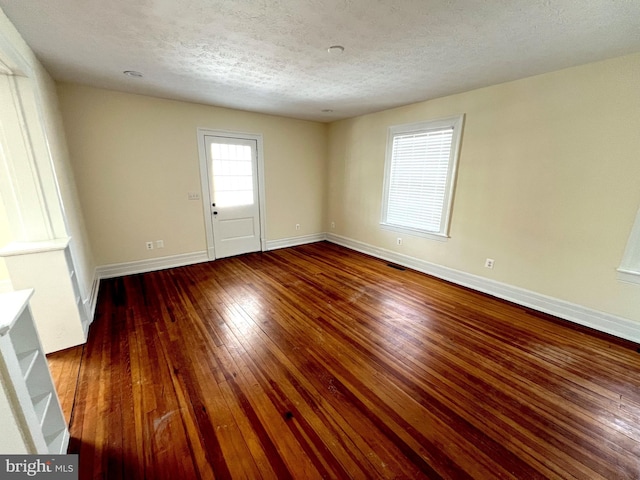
<point x="320" y="362"/>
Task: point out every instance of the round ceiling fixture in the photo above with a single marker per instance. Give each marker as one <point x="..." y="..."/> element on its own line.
<point x="132" y="73"/>
<point x="335" y="49"/>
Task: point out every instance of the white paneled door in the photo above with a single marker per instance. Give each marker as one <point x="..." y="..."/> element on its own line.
<point x="232" y="170"/>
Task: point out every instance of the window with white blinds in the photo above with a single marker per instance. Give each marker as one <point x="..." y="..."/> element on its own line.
<point x="420" y="175"/>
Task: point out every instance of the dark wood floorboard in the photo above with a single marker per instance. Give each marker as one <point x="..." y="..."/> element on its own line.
<point x="320" y="362"/>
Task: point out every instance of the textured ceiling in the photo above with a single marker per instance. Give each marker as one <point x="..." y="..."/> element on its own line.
<point x="271" y="55"/>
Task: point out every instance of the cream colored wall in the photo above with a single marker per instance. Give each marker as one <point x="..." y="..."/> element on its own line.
<point x="5" y="231"/>
<point x="45" y="90"/>
<point x="5" y="238"/>
<point x="136" y="158"/>
<point x="547" y="183"/>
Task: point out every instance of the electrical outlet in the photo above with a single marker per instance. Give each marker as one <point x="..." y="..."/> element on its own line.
<point x="297" y="226"/>
<point x="149" y="245"/>
<point x="194" y="195"/>
<point x="159" y="243"/>
<point x="398" y="241"/>
<point x="333" y="224"/>
<point x="489" y="262"/>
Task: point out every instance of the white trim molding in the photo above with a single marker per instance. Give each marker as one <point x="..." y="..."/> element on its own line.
<point x="150" y="265"/>
<point x="91" y="302"/>
<point x="629" y="270"/>
<point x="12" y="59"/>
<point x="295" y="241"/>
<point x="629" y="276"/>
<point x="601" y="321"/>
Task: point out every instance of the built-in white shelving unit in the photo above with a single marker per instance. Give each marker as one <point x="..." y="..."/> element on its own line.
<point x="58" y="309"/>
<point x="32" y="419"/>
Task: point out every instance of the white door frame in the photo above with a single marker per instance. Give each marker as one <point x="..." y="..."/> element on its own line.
<point x="206" y="192"/>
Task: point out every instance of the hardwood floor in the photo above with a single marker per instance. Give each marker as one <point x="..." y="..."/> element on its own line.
<point x="319" y="362"/>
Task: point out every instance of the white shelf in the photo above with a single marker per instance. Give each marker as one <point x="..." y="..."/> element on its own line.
<point x="32" y="419"/>
<point x="12" y="304"/>
<point x="27" y="248"/>
<point x="41" y="405"/>
<point x="57" y="442"/>
<point x="26" y="361"/>
<point x="57" y="304"/>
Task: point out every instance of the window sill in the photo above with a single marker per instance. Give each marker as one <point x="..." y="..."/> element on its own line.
<point x="629" y="276"/>
<point x="441" y="237"/>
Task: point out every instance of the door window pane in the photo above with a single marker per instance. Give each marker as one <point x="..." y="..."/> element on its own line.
<point x="232" y="175"/>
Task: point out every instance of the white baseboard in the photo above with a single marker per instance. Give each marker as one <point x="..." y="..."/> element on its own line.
<point x="130" y="268"/>
<point x="91" y="302"/>
<point x="295" y="241"/>
<point x="604" y="322"/>
<point x="151" y="265"/>
<point x="6" y="286"/>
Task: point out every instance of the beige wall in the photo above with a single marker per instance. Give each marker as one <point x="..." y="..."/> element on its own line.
<point x="547" y="184"/>
<point x="136" y="158"/>
<point x="45" y="91"/>
<point x="5" y="238"/>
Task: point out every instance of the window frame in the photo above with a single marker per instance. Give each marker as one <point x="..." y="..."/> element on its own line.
<point x="629" y="269"/>
<point x="456" y="123"/>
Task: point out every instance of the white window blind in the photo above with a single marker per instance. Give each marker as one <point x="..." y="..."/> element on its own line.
<point x="419" y="176"/>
